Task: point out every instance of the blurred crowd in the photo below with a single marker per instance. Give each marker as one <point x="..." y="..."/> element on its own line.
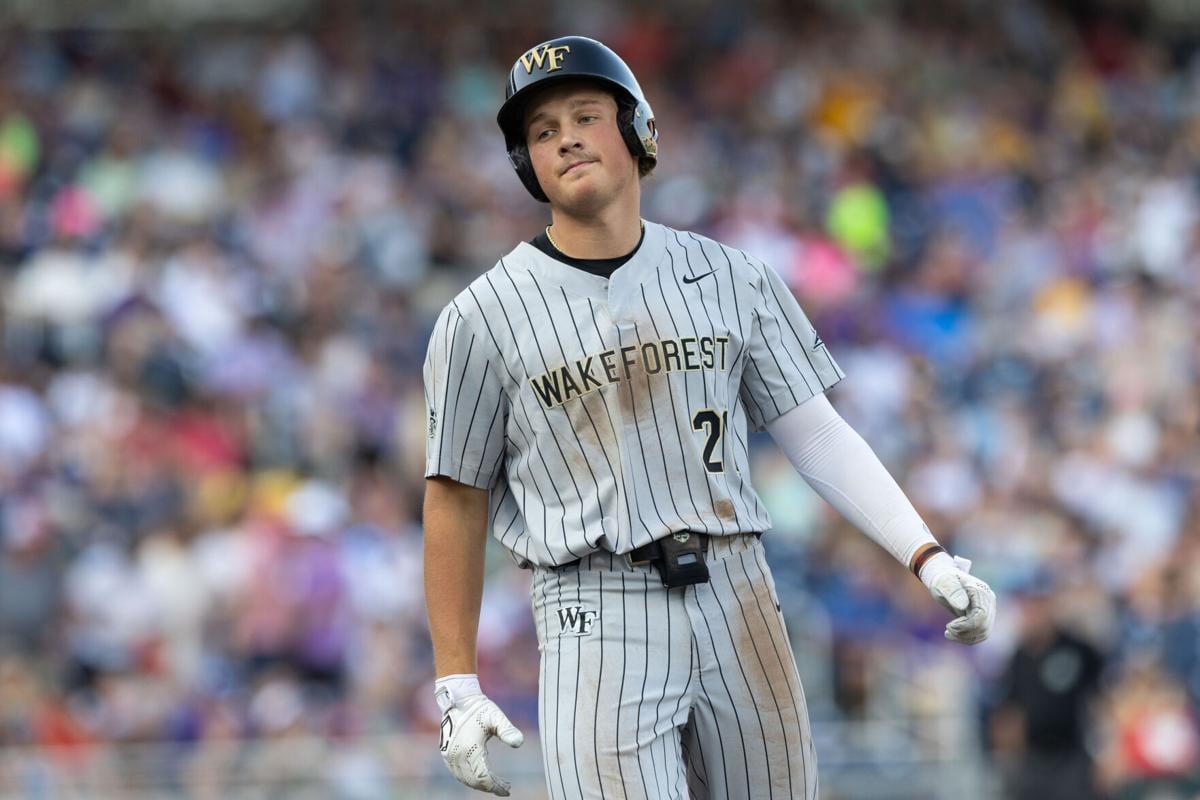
<point x="222" y="250"/>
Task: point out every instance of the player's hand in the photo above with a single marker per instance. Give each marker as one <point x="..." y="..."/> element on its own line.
<point x="969" y="599"/>
<point x="469" y="720"/>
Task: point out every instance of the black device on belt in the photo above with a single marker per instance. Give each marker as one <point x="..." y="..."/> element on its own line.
<point x="679" y="558"/>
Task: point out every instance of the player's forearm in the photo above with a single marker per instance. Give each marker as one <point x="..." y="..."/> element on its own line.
<point x="455" y="521"/>
<point x="846" y="473"/>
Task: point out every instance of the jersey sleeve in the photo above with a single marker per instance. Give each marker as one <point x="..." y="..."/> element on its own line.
<point x="465" y="403"/>
<point x="786" y="360"/>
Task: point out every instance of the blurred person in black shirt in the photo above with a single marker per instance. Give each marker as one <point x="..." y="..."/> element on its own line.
<point x="1040" y="728"/>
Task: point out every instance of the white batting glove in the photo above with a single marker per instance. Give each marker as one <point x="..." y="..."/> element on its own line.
<point x="469" y="719"/>
<point x="969" y="599"/>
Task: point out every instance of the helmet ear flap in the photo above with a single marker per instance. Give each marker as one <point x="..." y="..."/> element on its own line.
<point x="636" y="122"/>
<point x="518" y="156"/>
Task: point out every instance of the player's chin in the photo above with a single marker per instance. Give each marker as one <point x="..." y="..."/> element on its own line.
<point x="582" y="194"/>
<point x="577" y="202"/>
<point x="575" y="183"/>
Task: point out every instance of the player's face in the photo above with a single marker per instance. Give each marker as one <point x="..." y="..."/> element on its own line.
<point x="576" y="148"/>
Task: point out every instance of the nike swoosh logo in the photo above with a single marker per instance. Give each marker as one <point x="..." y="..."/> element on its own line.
<point x="694" y="278"/>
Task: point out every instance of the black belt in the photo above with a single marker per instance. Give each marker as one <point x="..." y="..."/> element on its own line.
<point x="646" y="554"/>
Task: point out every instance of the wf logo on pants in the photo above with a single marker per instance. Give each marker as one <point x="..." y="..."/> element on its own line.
<point x="576" y="620"/>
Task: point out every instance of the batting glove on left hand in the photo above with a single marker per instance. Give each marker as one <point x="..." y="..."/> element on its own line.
<point x="469" y="720"/>
<point x="969" y="599"/>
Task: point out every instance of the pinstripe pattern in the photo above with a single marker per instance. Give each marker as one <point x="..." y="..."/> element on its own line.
<point x="648" y="704"/>
<point x="579" y="394"/>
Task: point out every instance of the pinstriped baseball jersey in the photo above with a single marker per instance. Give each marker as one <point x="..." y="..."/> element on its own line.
<point x="609" y="412"/>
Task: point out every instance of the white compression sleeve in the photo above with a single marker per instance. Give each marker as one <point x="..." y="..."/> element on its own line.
<point x="844" y="470"/>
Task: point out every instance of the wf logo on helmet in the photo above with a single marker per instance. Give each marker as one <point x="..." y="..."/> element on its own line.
<point x="576" y="620"/>
<point x="538" y="58"/>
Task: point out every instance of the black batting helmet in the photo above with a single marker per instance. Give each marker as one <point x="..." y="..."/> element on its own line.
<point x="565" y="58"/>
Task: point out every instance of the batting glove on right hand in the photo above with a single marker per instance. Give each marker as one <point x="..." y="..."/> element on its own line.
<point x="469" y="720"/>
<point x="969" y="599"/>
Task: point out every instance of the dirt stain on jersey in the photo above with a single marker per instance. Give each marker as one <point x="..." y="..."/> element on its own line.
<point x="724" y="509"/>
<point x="596" y="441"/>
<point x="758" y="639"/>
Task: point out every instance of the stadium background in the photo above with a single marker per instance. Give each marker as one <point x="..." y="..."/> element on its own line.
<point x="225" y="231"/>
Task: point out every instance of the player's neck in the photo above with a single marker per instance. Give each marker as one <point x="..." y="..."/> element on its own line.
<point x="610" y="234"/>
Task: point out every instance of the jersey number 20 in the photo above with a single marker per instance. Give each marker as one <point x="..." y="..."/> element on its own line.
<point x="714" y="425"/>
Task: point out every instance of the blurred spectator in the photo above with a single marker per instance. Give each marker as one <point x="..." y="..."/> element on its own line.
<point x="1042" y="724"/>
<point x="1154" y="747"/>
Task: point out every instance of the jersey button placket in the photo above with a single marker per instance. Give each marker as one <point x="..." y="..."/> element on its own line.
<point x="625" y="333"/>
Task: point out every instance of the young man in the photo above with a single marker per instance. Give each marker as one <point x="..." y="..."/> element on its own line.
<point x="588" y="402"/>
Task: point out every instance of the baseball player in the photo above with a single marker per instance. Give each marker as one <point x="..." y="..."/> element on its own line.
<point x="588" y="401"/>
